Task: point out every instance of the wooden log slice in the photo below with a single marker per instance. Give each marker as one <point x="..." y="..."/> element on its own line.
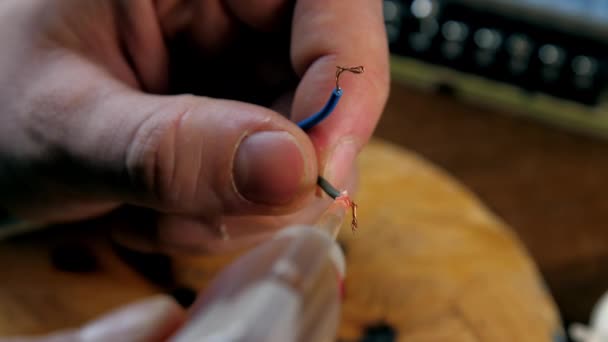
<point x="429" y="263"/>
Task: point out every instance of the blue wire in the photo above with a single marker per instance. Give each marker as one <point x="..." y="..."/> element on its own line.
<point x="315" y="119"/>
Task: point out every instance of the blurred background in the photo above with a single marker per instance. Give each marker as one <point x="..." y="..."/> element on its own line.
<point x="508" y="96"/>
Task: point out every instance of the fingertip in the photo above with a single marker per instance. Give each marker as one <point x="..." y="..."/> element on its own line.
<point x="331" y="33"/>
<point x="339" y="137"/>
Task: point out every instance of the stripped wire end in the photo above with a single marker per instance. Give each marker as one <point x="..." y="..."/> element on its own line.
<point x="340" y="69"/>
<point x="354" y="224"/>
<point x="340" y="196"/>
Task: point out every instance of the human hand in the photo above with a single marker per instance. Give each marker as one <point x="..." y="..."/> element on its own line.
<point x="83" y="132"/>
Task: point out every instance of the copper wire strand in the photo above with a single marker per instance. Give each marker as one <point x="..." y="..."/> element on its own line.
<point x="340" y="69"/>
<point x="354" y="224"/>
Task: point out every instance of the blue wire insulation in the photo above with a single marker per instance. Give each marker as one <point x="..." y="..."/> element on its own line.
<point x="315" y="119"/>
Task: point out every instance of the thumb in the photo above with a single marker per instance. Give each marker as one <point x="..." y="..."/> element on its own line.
<point x="193" y="155"/>
<point x="178" y="154"/>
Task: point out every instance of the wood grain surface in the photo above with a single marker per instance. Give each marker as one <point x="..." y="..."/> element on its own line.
<point x="434" y="264"/>
<point x="548" y="184"/>
<point x="429" y="263"/>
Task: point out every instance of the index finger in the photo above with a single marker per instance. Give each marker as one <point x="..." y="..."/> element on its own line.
<point x="325" y="34"/>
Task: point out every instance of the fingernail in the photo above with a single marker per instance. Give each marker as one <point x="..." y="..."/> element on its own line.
<point x="269" y="168"/>
<point x="339" y="162"/>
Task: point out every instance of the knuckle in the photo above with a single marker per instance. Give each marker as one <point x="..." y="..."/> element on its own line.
<point x="151" y="158"/>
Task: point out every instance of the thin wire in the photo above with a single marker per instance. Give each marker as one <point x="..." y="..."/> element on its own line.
<point x="353" y="206"/>
<point x="329" y="189"/>
<point x="314" y="120"/>
<point x="355" y="70"/>
<point x="319" y="116"/>
<point x="338" y="195"/>
<point x="331" y="104"/>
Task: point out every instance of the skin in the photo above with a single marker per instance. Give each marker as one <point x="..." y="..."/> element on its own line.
<point x="94" y="116"/>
